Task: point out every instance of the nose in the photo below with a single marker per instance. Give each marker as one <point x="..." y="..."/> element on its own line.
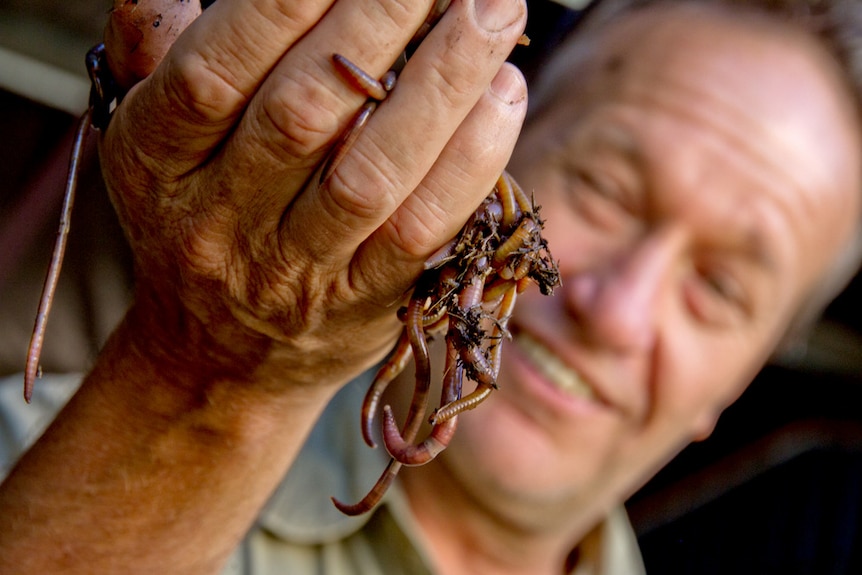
<point x="618" y="302"/>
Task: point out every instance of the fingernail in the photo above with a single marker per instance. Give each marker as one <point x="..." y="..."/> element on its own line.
<point x="508" y="86"/>
<point x="497" y="15"/>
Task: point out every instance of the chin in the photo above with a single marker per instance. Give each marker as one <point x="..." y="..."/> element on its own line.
<point x="497" y="451"/>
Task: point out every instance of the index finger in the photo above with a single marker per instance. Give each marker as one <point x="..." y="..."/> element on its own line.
<point x="207" y="78"/>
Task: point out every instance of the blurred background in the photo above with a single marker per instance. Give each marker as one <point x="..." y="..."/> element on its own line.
<point x="776" y="489"/>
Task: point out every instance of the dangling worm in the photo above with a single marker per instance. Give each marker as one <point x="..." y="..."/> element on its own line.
<point x="137" y="36"/>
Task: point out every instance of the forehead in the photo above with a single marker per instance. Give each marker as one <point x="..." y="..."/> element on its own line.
<point x="774" y="60"/>
<point x="765" y="93"/>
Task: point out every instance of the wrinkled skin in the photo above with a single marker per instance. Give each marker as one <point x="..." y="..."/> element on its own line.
<point x="208" y="218"/>
<point x="249" y="281"/>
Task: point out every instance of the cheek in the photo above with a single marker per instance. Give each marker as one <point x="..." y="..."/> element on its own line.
<point x="702" y="375"/>
<point x="497" y="449"/>
<point x="574" y="239"/>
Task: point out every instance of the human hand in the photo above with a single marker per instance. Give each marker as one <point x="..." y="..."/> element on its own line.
<point x="243" y="263"/>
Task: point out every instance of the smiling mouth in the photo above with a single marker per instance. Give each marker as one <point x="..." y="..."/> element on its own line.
<point x="553" y="370"/>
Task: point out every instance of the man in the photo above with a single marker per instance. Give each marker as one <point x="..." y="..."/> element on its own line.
<point x="698" y="168"/>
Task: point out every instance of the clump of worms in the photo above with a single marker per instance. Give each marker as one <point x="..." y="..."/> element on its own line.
<point x="466" y="294"/>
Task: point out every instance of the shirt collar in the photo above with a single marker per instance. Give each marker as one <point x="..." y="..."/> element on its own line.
<point x="335" y="462"/>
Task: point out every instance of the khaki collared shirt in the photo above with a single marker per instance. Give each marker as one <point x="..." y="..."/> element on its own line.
<point x="300" y="531"/>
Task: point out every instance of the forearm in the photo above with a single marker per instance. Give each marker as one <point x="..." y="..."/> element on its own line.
<point x="140" y="472"/>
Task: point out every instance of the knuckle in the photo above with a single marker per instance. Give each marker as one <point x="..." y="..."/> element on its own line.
<point x="400" y="12"/>
<point x="198" y="92"/>
<point x="300" y="118"/>
<point x="417" y="234"/>
<point x="455" y="84"/>
<point x="299" y="126"/>
<point x="363" y="188"/>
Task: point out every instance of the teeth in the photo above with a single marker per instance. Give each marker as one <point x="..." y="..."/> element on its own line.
<point x="553" y="369"/>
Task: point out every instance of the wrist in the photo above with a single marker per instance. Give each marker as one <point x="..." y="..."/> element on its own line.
<point x="148" y="428"/>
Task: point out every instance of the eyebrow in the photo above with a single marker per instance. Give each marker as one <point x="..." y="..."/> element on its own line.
<point x="758" y="245"/>
<point x="620" y="141"/>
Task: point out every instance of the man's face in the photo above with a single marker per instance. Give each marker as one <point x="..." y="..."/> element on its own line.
<point x="696" y="179"/>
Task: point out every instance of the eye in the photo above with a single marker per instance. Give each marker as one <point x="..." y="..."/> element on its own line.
<point x="721" y="284"/>
<point x="597" y="198"/>
<point x="716" y="296"/>
<point x="602" y="186"/>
